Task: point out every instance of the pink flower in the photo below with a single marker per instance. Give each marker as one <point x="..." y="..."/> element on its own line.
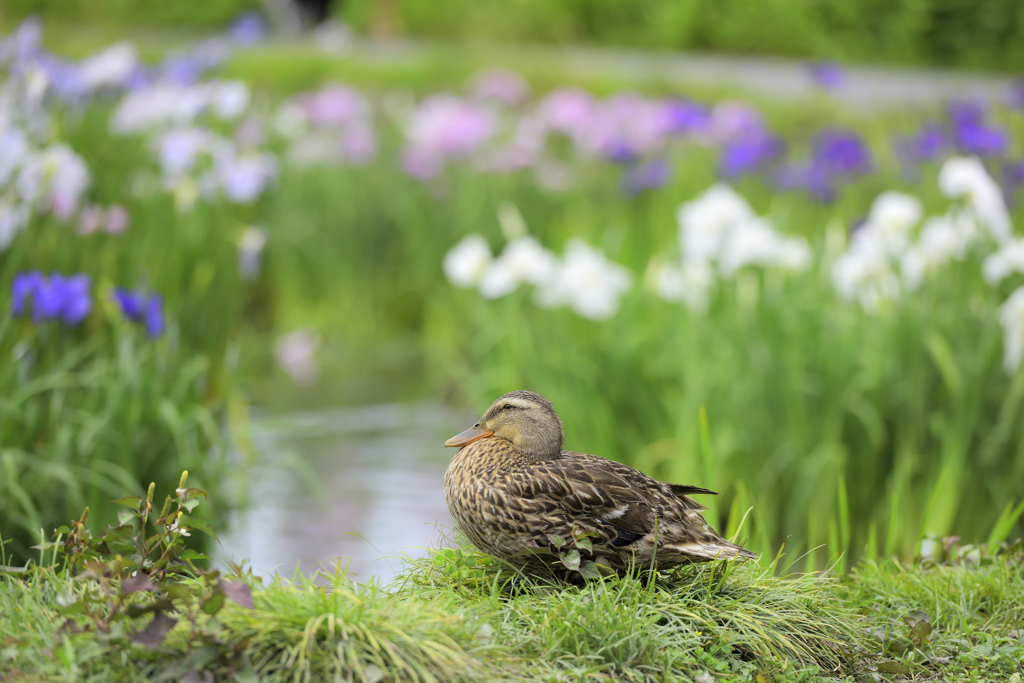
<point x="421" y="163"/>
<point x="117" y="220"/>
<point x="501" y="85"/>
<point x="89" y="220"/>
<point x="450" y="126"/>
<point x="334" y="106"/>
<point x="567" y="110"/>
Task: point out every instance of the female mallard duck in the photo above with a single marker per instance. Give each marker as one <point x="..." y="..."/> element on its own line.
<point x="511" y="486"/>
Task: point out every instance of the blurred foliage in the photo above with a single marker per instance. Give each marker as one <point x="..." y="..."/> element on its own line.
<point x="214" y="13"/>
<point x="89" y="411"/>
<point x="887" y="426"/>
<point x="853" y="432"/>
<point x="987" y="34"/>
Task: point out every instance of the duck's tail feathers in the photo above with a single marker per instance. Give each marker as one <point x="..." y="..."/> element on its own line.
<point x="685" y="490"/>
<point x="715" y="550"/>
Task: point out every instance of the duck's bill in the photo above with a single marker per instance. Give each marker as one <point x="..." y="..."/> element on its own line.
<point x="469" y="436"/>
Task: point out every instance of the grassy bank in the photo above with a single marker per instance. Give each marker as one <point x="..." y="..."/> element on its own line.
<point x="456" y="615"/>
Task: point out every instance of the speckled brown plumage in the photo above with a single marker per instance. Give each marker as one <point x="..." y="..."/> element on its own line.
<point x="511" y="485"/>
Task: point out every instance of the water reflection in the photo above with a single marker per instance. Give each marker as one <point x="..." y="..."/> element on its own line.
<point x="364" y="484"/>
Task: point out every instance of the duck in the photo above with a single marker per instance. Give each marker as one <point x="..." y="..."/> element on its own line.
<point x="519" y="496"/>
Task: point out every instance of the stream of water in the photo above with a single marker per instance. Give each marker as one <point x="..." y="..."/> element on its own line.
<point x="358" y="485"/>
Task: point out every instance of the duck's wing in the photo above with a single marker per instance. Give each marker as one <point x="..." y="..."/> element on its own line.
<point x="578" y="487"/>
<point x="685" y="530"/>
<point x="610" y="491"/>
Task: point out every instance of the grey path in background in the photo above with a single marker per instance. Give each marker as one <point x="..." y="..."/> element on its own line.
<point x="865" y="88"/>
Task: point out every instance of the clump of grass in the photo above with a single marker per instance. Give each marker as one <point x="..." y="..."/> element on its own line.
<point x="738" y="619"/>
<point x="303" y="630"/>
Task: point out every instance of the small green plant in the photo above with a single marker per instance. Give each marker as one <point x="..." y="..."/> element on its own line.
<point x="572" y="553"/>
<point x="144" y="567"/>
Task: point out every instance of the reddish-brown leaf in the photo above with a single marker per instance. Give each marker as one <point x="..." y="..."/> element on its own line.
<point x="155" y="631"/>
<point x="237" y="592"/>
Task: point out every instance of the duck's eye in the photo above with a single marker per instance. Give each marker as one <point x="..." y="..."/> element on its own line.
<point x="508" y="406"/>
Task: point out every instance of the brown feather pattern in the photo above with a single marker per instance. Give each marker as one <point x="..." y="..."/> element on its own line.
<point x="507" y="499"/>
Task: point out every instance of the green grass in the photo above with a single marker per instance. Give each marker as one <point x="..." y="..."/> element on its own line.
<point x="457" y="615"/>
<point x="134" y="603"/>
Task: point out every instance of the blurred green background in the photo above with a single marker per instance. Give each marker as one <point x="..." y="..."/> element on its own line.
<point x="851" y="430"/>
<point x="988" y="34"/>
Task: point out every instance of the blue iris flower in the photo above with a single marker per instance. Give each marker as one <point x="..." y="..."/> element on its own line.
<point x="142" y="308"/>
<point x="972" y="134"/>
<point x="841" y="153"/>
<point x="646" y="176"/>
<point x="23" y="287"/>
<point x="77" y="299"/>
<point x="810" y="178"/>
<point x="748" y="154"/>
<point x="980" y="139"/>
<point x="57" y="297"/>
<point x="154" y="316"/>
<point x="130" y="303"/>
<point x="688" y="117"/>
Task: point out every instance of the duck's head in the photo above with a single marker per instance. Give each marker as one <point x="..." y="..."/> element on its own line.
<point x="526" y="419"/>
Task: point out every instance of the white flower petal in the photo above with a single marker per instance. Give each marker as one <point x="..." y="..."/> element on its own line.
<point x="966" y="178"/>
<point x="1011" y="315"/>
<point x="466" y="262"/>
<point x="705" y="222"/>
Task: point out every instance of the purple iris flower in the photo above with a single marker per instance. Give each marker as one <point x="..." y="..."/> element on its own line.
<point x="48" y="298"/>
<point x="646" y="176"/>
<point x="841" y="153"/>
<point x="139" y="78"/>
<point x="55" y="297"/>
<point x="1013" y="172"/>
<point x="966" y="112"/>
<point x="182" y="69"/>
<point x="827" y="75"/>
<point x="619" y="151"/>
<point x="971" y="134"/>
<point x="247" y="29"/>
<point x="23" y="287"/>
<point x="130" y="304"/>
<point x="142" y="308"/>
<point x="928" y="144"/>
<point x="186" y="68"/>
<point x="65" y="77"/>
<point x="687" y="117"/>
<point x="77" y="299"/>
<point x="981" y="139"/>
<point x="811" y="178"/>
<point x="1015" y="95"/>
<point x="1013" y="178"/>
<point x="26" y="39"/>
<point x="748" y="154"/>
<point x="154" y="316"/>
